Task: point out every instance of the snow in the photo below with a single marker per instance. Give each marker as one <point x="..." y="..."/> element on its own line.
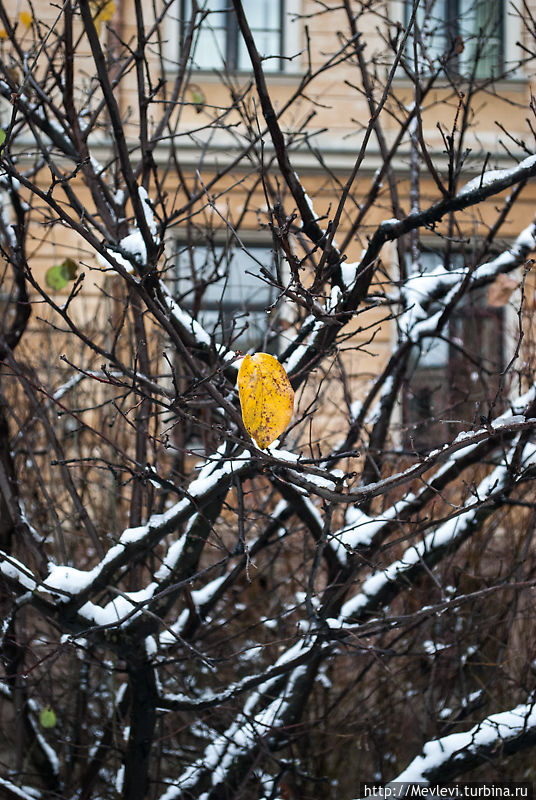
<point x="118" y="608"/>
<point x="185" y="320"/>
<point x="171" y="558"/>
<point x="438" y="286"/>
<point x="333" y="299"/>
<point x="148" y="211"/>
<point x="294" y="359"/>
<point x="282" y="455"/>
<point x="388" y="223"/>
<point x="349" y="273"/>
<point x="526" y="239"/>
<point x="74" y="381"/>
<point x="420" y="289"/>
<point x="488" y="178"/>
<point x="97" y="166"/>
<point x="22" y="509"/>
<point x="484" y="180"/>
<point x="69" y="581"/>
<point x="202" y="596"/>
<point x="355" y="410"/>
<point x="313" y="510"/>
<point x="472" y="698"/>
<point x="320" y="481"/>
<point x="199" y="597"/>
<point x="50" y="753"/>
<point x="358" y="533"/>
<point x="119" y="779"/>
<point x="432" y="648"/>
<point x="307" y="198"/>
<point x="172" y="633"/>
<point x="14" y="569"/>
<point x="8" y="227"/>
<point x="360" y="529"/>
<point x="134" y="245"/>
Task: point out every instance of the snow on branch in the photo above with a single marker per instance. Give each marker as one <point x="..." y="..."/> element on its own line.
<point x="380" y="586"/>
<point x="497" y="735"/>
<point x="13" y="792"/>
<point x="364" y="532"/>
<point x="204" y="599"/>
<point x="322" y="486"/>
<point x="263" y="712"/>
<point x="422" y="291"/>
<point x="30" y="713"/>
<point x="283" y="665"/>
<point x="470" y="195"/>
<point x="74" y="586"/>
<point x="185" y="321"/>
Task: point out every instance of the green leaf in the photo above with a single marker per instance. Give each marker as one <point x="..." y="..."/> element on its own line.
<point x="2" y="137"/>
<point x="47" y="717"/>
<point x="198" y="97"/>
<point x="58" y="276"/>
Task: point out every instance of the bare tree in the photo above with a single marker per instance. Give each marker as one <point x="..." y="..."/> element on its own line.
<point x="187" y="615"/>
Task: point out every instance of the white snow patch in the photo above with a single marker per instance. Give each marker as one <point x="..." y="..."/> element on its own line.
<point x="294" y="359"/>
<point x="488" y="178"/>
<point x="349" y="273"/>
<point x="23" y="792"/>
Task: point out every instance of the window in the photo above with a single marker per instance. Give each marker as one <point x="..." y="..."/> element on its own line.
<point x="466" y="36"/>
<point x="218" y="43"/>
<point x="455" y="380"/>
<point x="225" y="290"/>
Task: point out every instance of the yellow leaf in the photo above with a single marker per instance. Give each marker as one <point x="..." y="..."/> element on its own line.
<point x="103" y="11"/>
<point x="266" y="397"/>
<point x="3" y="33"/>
<point x="107" y="11"/>
<point x="26" y="18"/>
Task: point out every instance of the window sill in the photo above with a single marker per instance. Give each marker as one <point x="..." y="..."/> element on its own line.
<point x="516" y="83"/>
<point x="209" y="76"/>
